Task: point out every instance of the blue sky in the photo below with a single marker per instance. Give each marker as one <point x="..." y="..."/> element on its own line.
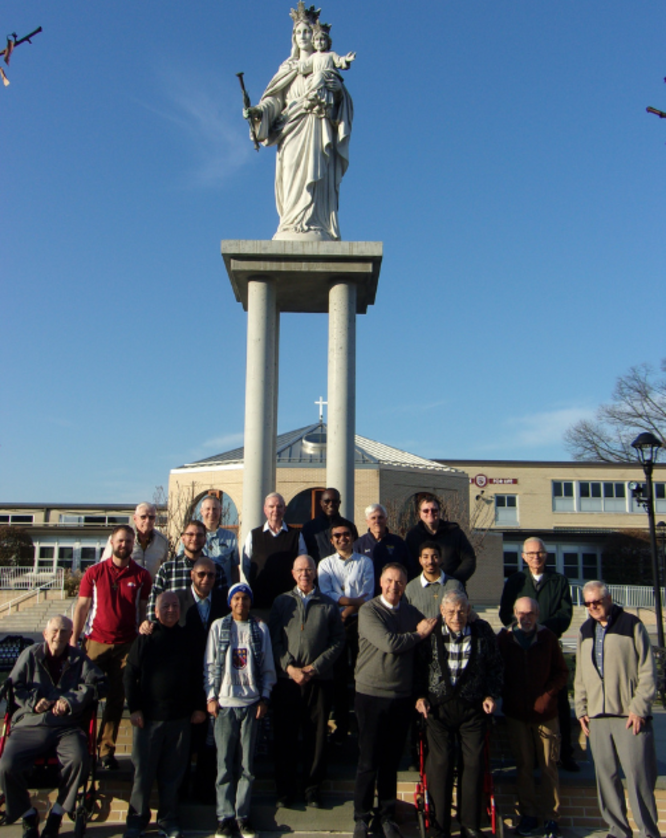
<point x="500" y="150"/>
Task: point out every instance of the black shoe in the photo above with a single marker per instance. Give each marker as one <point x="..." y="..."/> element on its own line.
<point x="109" y="763"/>
<point x="285" y="801"/>
<point x="52" y="825"/>
<point x="338" y="737"/>
<point x="31" y="826"/>
<point x="568" y="764"/>
<point x="313" y="799"/>
<point x="226" y="828"/>
<point x="245" y="828"/>
<point x="360" y="829"/>
<point x="390" y="830"/>
<point x="466" y="832"/>
<point x="551" y="829"/>
<point x="527" y="825"/>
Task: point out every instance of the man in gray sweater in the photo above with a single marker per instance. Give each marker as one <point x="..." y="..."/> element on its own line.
<point x="426" y="591"/>
<point x="308" y="637"/>
<point x="389" y="630"/>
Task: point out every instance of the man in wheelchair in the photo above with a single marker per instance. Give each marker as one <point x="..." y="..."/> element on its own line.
<point x="53" y="684"/>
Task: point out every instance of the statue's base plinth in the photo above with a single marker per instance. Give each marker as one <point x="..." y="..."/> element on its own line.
<point x="303" y="270"/>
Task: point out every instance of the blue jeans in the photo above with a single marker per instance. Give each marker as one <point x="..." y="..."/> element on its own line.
<point x="236" y="730"/>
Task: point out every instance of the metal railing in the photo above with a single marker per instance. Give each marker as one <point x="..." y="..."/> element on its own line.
<point x="632" y="596"/>
<point x="27" y="579"/>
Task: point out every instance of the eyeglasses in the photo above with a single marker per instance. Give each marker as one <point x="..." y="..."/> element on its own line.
<point x="430" y="510"/>
<point x="204" y="574"/>
<point x="151" y="517"/>
<point x="536" y="554"/>
<point x="338" y="535"/>
<point x="594" y="603"/>
<point x="193" y="535"/>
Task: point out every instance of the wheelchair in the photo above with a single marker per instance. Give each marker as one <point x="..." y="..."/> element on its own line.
<point x="46" y="770"/>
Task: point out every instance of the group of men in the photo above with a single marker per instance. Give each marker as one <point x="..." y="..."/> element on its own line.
<point x="203" y="644"/>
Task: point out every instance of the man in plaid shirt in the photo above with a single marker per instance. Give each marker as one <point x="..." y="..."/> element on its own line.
<point x="459" y="679"/>
<point x="175" y="575"/>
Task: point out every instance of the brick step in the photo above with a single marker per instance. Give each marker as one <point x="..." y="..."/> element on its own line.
<point x="578" y="804"/>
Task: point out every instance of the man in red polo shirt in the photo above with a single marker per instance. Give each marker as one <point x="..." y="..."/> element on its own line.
<point x="112" y="603"/>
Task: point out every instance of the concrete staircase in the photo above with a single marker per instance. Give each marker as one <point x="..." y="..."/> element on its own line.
<point x="33" y="618"/>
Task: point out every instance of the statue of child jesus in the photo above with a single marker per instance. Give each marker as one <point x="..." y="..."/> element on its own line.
<point x="323" y="64"/>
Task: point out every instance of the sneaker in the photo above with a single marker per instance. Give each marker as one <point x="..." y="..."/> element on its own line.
<point x="390" y="830"/>
<point x="245" y="828"/>
<point x="360" y="829"/>
<point x="551" y="830"/>
<point x="109" y="763"/>
<point x="52" y="825"/>
<point x="31" y="826"/>
<point x="313" y="799"/>
<point x="527" y="825"/>
<point x="169" y="830"/>
<point x="285" y="801"/>
<point x="226" y="828"/>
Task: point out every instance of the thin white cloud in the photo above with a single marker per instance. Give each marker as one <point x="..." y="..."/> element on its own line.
<point x="538" y="430"/>
<point x="204" y="110"/>
<point x="219" y="444"/>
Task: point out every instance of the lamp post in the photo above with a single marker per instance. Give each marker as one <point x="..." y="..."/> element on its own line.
<point x="647" y="446"/>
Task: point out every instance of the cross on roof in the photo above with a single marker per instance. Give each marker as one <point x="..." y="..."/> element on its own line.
<point x="321" y="404"/>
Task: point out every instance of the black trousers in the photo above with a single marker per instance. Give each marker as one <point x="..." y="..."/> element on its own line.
<point x="564" y="718"/>
<point x="456" y="719"/>
<point x="343" y="675"/>
<point x="382" y="730"/>
<point x="300" y="709"/>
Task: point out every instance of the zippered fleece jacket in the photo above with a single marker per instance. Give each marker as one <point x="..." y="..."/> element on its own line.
<point x="629" y="682"/>
<point x="305" y="634"/>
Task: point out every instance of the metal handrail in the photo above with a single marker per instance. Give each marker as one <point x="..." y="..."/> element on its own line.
<point x="631" y="596"/>
<point x="56" y="580"/>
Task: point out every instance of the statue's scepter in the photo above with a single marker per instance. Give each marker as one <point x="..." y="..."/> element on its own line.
<point x="246" y="104"/>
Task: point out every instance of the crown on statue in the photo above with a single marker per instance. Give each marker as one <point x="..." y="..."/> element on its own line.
<point x="301" y="14"/>
<point x="323" y="27"/>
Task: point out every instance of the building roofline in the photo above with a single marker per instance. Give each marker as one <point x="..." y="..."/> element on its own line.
<point x="543" y="463"/>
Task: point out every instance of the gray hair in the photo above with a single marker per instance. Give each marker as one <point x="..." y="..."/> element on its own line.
<point x="273" y="495"/>
<point x="313" y="563"/>
<point x="213" y="499"/>
<point x="61" y="621"/>
<point x="534" y="605"/>
<point x="145" y="505"/>
<point x="596" y="585"/>
<point x="454" y="596"/>
<point x="373" y="508"/>
<point x="533" y="538"/>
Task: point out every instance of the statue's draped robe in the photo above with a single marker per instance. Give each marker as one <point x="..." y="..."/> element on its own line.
<point x="313" y="152"/>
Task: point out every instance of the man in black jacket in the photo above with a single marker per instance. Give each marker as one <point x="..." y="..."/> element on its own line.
<point x="458" y="556"/>
<point x="552" y="593"/>
<point x="164" y="689"/>
<point x="459" y="679"/>
<point x="200" y="605"/>
<point x="315" y="532"/>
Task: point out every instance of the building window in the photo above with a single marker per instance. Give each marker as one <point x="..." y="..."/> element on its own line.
<point x="506" y="510"/>
<point x="590" y="566"/>
<point x="590" y="496"/>
<point x="93" y="520"/>
<point x="17" y="519"/>
<point x="510" y="562"/>
<point x="45" y="558"/>
<point x="65" y="557"/>
<point x="563" y="496"/>
<point x="88" y="557"/>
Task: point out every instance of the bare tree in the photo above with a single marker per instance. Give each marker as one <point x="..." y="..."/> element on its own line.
<point x="638" y="404"/>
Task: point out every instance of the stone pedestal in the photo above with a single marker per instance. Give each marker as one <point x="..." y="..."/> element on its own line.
<point x="269" y="277"/>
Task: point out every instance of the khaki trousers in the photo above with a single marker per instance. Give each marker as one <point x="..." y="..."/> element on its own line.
<point x="544" y="738"/>
<point x="111" y="660"/>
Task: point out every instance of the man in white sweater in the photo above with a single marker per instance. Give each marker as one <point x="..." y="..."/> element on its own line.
<point x="239" y="674"/>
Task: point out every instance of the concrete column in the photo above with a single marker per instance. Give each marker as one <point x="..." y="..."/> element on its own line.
<point x="271" y="472"/>
<point x="260" y="399"/>
<point x="341" y="392"/>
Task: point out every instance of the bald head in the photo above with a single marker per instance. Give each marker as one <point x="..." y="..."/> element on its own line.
<point x="167" y="608"/>
<point x="526" y="612"/>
